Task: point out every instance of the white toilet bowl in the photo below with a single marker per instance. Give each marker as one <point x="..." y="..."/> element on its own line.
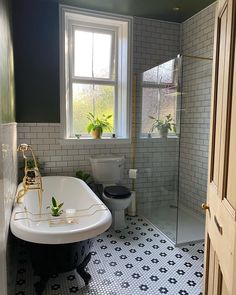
<point x="117" y="199"/>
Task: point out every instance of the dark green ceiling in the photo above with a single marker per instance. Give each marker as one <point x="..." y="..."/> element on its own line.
<point x="156" y="9"/>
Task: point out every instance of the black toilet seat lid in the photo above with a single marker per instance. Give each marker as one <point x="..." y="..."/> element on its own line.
<point x="117" y="192"/>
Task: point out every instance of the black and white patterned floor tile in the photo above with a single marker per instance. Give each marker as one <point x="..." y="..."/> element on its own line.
<point x="137" y="260"/>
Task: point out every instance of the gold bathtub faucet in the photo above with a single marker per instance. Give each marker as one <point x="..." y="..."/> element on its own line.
<point x="32" y="179"/>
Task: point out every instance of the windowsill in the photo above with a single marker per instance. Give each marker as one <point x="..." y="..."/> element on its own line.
<point x="159" y="137"/>
<point x="90" y="141"/>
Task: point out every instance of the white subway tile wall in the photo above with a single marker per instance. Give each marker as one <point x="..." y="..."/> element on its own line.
<point x="197" y="39"/>
<point x="66" y="159"/>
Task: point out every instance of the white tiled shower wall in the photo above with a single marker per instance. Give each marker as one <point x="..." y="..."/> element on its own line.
<point x="154" y="42"/>
<point x="156" y="159"/>
<point x="197" y="39"/>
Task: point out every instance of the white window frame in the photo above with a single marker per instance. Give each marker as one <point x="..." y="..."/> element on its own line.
<point x="118" y="25"/>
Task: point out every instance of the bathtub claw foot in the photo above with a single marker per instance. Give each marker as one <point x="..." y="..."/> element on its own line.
<point x="81" y="269"/>
<point x="84" y="275"/>
<point x="40" y="285"/>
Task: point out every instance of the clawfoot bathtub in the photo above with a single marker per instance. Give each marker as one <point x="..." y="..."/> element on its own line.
<point x="62" y="243"/>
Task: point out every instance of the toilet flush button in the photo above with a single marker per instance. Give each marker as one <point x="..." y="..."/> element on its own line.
<point x="133" y="173"/>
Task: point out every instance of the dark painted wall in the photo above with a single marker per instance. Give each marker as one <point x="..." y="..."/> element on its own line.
<point x="7" y="101"/>
<point x="36" y="58"/>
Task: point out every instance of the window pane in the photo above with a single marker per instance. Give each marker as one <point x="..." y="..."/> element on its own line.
<point x="104" y="102"/>
<point x="92" y="55"/>
<point x="83" y="49"/>
<point x="158" y="103"/>
<point x="163" y="73"/>
<point x="82" y="105"/>
<point x="168" y="100"/>
<point x="151" y="75"/>
<point x="97" y="99"/>
<point x="150" y="105"/>
<point x="102" y="55"/>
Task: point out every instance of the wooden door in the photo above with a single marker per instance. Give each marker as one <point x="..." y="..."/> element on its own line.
<point x="220" y="257"/>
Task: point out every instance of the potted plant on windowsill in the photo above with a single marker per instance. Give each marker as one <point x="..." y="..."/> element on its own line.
<point x="98" y="125"/>
<point x="163" y="125"/>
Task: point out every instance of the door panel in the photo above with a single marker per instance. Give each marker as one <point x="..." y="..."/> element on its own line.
<point x="224" y="290"/>
<point x="219" y="92"/>
<point x="220" y="258"/>
<point x="210" y="264"/>
<point x="231" y="173"/>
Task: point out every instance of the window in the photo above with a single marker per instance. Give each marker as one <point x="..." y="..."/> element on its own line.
<point x="95" y="71"/>
<point x="159" y="94"/>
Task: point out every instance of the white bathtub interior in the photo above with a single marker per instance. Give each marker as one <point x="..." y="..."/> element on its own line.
<point x="90" y="216"/>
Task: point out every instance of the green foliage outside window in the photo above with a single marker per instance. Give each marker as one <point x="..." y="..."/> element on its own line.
<point x="95" y="99"/>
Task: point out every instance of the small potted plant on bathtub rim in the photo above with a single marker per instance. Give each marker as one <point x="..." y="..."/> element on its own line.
<point x="163" y="125"/>
<point x="98" y="125"/>
<point x="55" y="208"/>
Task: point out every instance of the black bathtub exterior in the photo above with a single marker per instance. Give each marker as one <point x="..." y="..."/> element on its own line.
<point x="54" y="259"/>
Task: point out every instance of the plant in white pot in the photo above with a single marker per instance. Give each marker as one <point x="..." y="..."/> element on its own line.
<point x="163" y="125"/>
<point x="98" y="125"/>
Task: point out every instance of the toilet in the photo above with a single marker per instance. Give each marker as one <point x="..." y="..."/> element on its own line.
<point x="108" y="171"/>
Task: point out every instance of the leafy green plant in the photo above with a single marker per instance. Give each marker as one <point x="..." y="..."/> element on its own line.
<point x="31" y="164"/>
<point x="56" y="208"/>
<point x="165" y="124"/>
<point x="83" y="175"/>
<point x="98" y="123"/>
